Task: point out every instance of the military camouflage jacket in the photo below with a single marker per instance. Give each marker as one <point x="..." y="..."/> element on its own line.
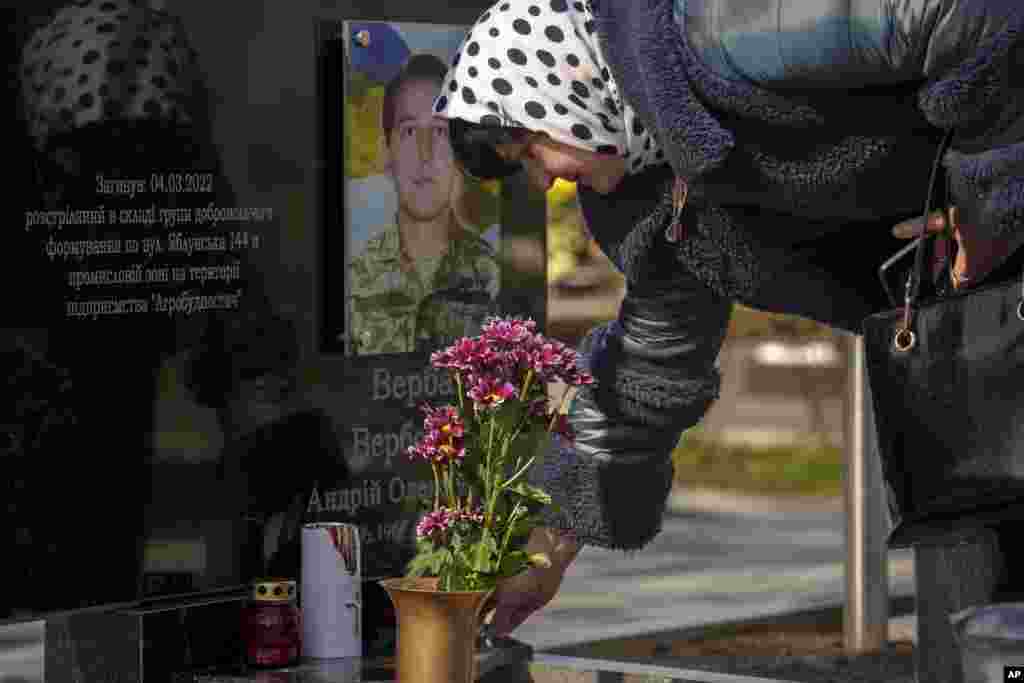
<point x="396" y="308"/>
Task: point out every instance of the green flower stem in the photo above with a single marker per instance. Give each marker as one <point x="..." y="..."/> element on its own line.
<point x="458" y="384"/>
<point x="495" y="487"/>
<point x="519" y="457"/>
<point x="561" y="405"/>
<point x="511" y="480"/>
<point x="515" y="434"/>
<point x="487" y="471"/>
<point x="437" y="487"/>
<point x="508" y="532"/>
<point x="490" y="445"/>
<point x="526" y="385"/>
<point x="450" y="481"/>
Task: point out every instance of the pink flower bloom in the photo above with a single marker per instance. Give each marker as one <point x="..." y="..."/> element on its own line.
<point x="441" y="359"/>
<point x="489" y="392"/>
<point x="553" y="360"/>
<point x="465" y="355"/>
<point x="423" y="450"/>
<point x="436" y="418"/>
<point x="546" y="359"/>
<point x="443" y="438"/>
<point x="474" y="517"/>
<point x="510" y="331"/>
<point x="578" y="378"/>
<point x="450" y="450"/>
<point x="434" y="524"/>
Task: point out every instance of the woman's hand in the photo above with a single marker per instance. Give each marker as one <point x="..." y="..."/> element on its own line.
<point x="518" y="597"/>
<point x="975" y="257"/>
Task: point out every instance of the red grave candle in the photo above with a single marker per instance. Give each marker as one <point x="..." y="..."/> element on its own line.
<point x="272" y="624"/>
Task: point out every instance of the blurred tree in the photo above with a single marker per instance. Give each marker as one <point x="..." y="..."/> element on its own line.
<point x="480" y="207"/>
<point x="748" y="322"/>
<point x="363" y="104"/>
<point x="568" y="243"/>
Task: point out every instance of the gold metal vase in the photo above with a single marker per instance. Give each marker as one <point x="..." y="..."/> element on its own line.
<point x="437" y="630"/>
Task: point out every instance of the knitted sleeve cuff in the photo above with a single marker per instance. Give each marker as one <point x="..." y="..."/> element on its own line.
<point x="598" y="501"/>
<point x="988" y="190"/>
<point x="612" y="483"/>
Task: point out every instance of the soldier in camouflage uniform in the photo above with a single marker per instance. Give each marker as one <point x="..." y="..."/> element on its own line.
<point x="399" y="306"/>
<point x="425" y="280"/>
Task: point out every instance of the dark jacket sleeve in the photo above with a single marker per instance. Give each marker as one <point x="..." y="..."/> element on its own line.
<point x="974" y="84"/>
<point x="656" y="375"/>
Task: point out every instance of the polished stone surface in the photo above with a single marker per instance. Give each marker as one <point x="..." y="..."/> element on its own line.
<point x="540" y="669"/>
<point x="507" y="661"/>
<point x="92" y="646"/>
<point x="501" y="654"/>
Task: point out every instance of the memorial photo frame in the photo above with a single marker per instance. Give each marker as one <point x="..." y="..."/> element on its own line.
<point x="420" y="242"/>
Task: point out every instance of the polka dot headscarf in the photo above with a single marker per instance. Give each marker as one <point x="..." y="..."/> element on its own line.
<point x="105" y="59"/>
<point x="537" y="64"/>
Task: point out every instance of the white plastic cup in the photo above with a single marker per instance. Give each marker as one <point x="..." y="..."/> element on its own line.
<point x="331" y="592"/>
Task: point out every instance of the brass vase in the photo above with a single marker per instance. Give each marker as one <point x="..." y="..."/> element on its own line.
<point x="437" y="630"/>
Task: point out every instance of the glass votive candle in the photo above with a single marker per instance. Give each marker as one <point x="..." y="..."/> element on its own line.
<point x="272" y="624"/>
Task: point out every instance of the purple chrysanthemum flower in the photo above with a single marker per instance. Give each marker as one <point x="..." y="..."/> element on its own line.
<point x="489" y="392"/>
<point x="443" y="440"/>
<point x="434" y="524"/>
<point x="508" y="331"/>
<point x="474" y="517"/>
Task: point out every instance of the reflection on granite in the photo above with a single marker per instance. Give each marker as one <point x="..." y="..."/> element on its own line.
<point x="343" y="670"/>
<point x="92" y="646"/>
<point x="505" y="661"/>
<point x="22" y="645"/>
<point x="504" y="668"/>
<point x="502" y="654"/>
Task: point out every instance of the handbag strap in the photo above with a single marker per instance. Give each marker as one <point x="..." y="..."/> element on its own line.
<point x="905" y="339"/>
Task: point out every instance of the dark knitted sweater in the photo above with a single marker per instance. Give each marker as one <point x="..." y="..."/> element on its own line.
<point x="794" y="187"/>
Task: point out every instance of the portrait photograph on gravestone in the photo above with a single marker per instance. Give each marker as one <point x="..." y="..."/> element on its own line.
<point x="420" y="240"/>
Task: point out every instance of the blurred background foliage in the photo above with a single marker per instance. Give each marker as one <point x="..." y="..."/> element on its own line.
<point x="570" y="247"/>
<point x="363" y="104"/>
<point x="811" y="467"/>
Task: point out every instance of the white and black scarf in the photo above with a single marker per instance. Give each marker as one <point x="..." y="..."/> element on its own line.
<point x="537" y="64"/>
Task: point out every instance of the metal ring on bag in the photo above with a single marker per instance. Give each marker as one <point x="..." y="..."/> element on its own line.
<point x="905" y="339"/>
<point x="1020" y="309"/>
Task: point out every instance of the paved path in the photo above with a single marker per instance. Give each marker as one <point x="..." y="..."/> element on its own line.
<point x="719" y="558"/>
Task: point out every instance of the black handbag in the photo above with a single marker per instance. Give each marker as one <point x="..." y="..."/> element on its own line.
<point x="947" y="383"/>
